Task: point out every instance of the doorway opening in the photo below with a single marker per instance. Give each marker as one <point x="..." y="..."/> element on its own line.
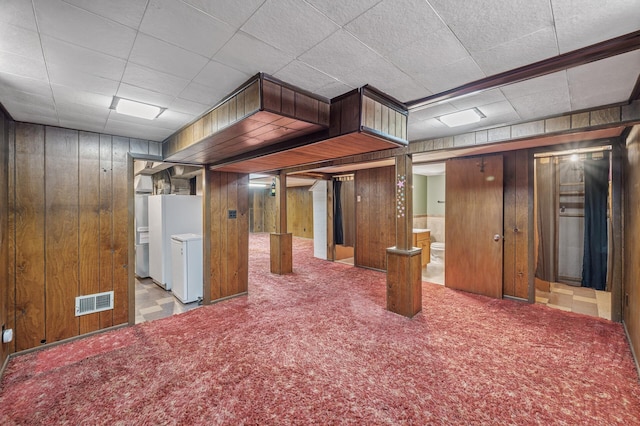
<point x="429" y="195"/>
<point x="573" y="238"/>
<point x="168" y="239"/>
<point x="344" y="218"/>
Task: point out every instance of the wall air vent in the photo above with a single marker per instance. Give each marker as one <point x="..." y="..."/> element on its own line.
<point x="94" y="303"/>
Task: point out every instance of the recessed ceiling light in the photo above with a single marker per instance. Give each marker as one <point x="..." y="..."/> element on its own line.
<point x="136" y="109"/>
<point x="460" y="118"/>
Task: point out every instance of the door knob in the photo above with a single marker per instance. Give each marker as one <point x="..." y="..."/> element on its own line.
<point x="496" y="237"/>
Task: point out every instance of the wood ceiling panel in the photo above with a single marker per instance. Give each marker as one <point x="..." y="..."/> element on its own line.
<point x="341" y="146"/>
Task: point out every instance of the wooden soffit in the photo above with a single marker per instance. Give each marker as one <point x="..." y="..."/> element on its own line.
<point x="361" y="121"/>
<point x="262" y="112"/>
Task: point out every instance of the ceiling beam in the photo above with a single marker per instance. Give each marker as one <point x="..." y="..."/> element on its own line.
<point x="603" y="50"/>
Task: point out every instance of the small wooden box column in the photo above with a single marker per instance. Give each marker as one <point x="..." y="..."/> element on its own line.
<point x="404" y="267"/>
<point x="281" y="242"/>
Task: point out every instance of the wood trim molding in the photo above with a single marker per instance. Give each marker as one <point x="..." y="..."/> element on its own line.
<point x="585" y="55"/>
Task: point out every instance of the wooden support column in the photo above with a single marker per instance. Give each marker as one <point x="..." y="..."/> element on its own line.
<point x="404" y="262"/>
<point x="281" y="243"/>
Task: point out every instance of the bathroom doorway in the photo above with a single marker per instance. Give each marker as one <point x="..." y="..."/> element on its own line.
<point x="428" y="216"/>
<point x="572" y="196"/>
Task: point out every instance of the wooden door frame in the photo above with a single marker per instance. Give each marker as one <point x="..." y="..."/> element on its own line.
<point x="618" y="155"/>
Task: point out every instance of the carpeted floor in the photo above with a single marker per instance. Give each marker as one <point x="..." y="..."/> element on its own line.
<point x="318" y="347"/>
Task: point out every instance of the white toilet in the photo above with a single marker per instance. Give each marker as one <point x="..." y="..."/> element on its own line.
<point x="437" y="252"/>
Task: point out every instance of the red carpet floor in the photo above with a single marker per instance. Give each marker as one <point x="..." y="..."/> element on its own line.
<point x="318" y="347"/>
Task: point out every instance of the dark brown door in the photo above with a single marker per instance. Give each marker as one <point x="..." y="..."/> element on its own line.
<point x="473" y="225"/>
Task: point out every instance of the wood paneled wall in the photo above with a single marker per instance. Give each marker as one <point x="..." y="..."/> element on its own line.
<point x="299" y="211"/>
<point x="375" y="216"/>
<point x="6" y="133"/>
<point x="227" y="256"/>
<point x="68" y="222"/>
<point x="518" y="223"/>
<point x="631" y="285"/>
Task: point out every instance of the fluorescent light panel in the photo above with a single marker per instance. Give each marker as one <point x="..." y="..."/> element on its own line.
<point x="136" y="109"/>
<point x="461" y="118"/>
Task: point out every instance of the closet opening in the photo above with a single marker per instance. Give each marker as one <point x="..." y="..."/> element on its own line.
<point x="573" y="238"/>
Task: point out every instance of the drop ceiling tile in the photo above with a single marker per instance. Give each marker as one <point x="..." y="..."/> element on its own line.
<point x="70" y="95"/>
<point x="20" y="41"/>
<point x="161" y="56"/>
<point x="29" y="103"/>
<point x="66" y="22"/>
<point x="591" y="21"/>
<point x="302" y="75"/>
<point x="82" y="81"/>
<point x="434" y="50"/>
<point x="604" y="82"/>
<point x="33" y="117"/>
<point x="69" y="110"/>
<point x="518" y="52"/>
<point x="289" y="25"/>
<point x="18" y="12"/>
<point x="204" y="94"/>
<point x="451" y="75"/>
<point x="144" y="95"/>
<point x="338" y="55"/>
<point x="386" y="77"/>
<point x="431" y="112"/>
<point x="125" y="12"/>
<point x="157" y="81"/>
<point x="552" y="82"/>
<point x="334" y="89"/>
<point x="174" y="120"/>
<point x="387" y="26"/>
<point x="81" y="59"/>
<point x="342" y="12"/>
<point x="21" y="66"/>
<point x="180" y="24"/>
<point x="482" y="25"/>
<point x="116" y="127"/>
<point x="188" y="107"/>
<point x="211" y="75"/>
<point x="498" y="113"/>
<point x="478" y="99"/>
<point x="250" y="55"/>
<point x="235" y="13"/>
<point x="10" y="82"/>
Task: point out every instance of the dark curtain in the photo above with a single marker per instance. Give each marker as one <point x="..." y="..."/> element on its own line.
<point x="546" y="205"/>
<point x="347" y="194"/>
<point x="338" y="230"/>
<point x="596" y="189"/>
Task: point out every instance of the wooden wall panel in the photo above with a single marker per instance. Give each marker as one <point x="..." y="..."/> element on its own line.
<point x="28" y="217"/>
<point x="89" y="181"/>
<point x="375" y="216"/>
<point x="517" y="218"/>
<point x="106" y="224"/>
<point x="121" y="228"/>
<point x="61" y="232"/>
<point x="631" y="284"/>
<point x="300" y="211"/>
<point x="229" y="237"/>
<point x="5" y="349"/>
<point x="69" y="204"/>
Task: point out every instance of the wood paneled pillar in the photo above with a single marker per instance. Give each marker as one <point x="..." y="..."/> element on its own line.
<point x="281" y="243"/>
<point x="404" y="262"/>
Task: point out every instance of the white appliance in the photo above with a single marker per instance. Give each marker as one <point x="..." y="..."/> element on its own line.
<point x="170" y="215"/>
<point x="143" y="185"/>
<point x="186" y="267"/>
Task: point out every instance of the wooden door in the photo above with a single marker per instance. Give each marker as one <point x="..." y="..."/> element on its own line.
<point x="473" y="220"/>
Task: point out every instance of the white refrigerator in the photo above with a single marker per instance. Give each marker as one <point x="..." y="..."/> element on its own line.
<point x="186" y="264"/>
<point x="170" y="215"/>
